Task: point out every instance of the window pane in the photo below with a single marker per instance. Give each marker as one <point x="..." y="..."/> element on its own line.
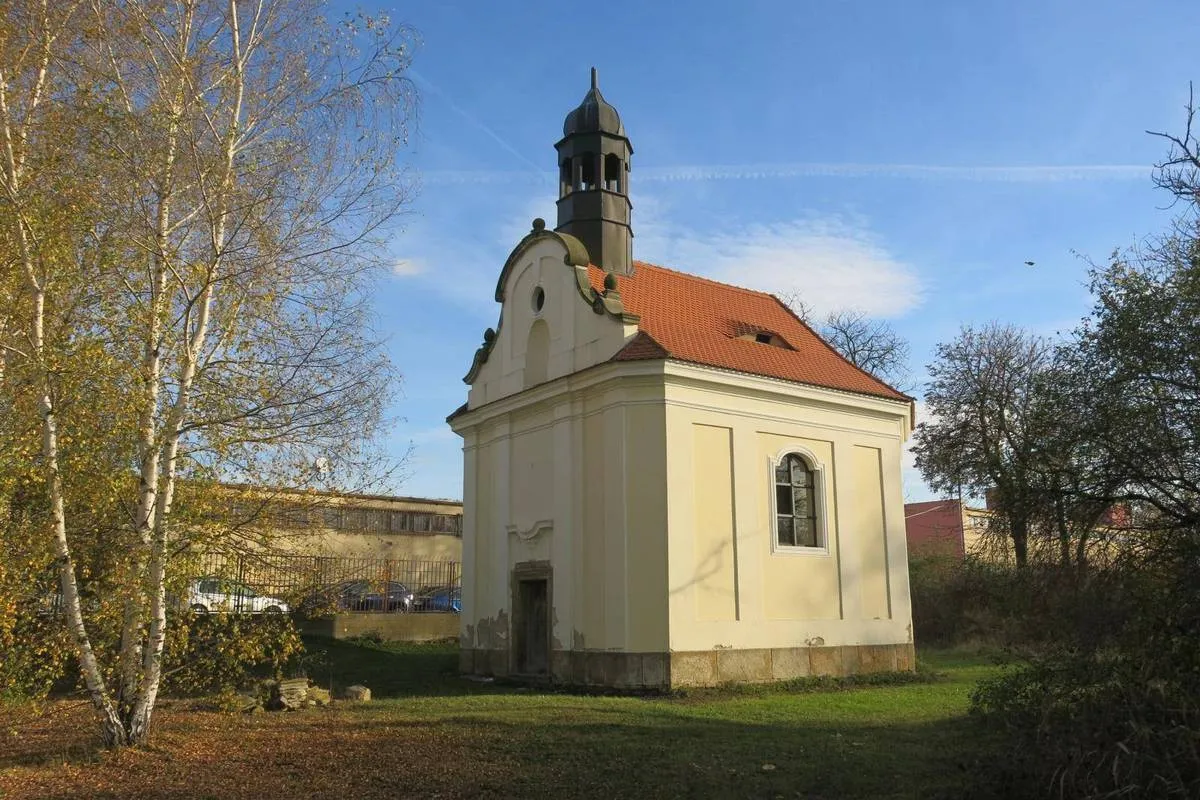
<point x="787" y="537"/>
<point x="801" y="505"/>
<point x="799" y="472"/>
<point x="781" y="472"/>
<point x="805" y="532"/>
<point x="783" y="500"/>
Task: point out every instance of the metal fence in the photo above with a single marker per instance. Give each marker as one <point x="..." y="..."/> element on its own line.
<point x="319" y="585"/>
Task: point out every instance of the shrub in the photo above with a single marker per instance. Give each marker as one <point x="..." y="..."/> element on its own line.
<point x="978" y="602"/>
<point x="36" y="653"/>
<point x="1109" y="710"/>
<point x="1093" y="725"/>
<point x="212" y="653"/>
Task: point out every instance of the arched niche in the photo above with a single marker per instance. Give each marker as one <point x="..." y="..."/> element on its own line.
<point x="537" y="353"/>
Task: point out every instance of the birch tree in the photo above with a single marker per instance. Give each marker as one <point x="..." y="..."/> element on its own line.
<point x="244" y="167"/>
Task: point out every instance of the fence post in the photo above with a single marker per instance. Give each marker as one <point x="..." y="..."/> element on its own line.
<point x="241" y="581"/>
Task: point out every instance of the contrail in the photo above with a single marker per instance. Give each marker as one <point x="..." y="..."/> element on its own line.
<point x="1044" y="173"/>
<point x="421" y="79"/>
<point x="1019" y="174"/>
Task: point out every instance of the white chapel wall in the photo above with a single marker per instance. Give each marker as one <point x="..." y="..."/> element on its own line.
<point x="728" y="587"/>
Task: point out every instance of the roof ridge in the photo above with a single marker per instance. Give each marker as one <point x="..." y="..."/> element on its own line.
<point x="694" y="276"/>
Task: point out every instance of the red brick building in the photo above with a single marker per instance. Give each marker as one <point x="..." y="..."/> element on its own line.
<point x="935" y="528"/>
<point x="952" y="528"/>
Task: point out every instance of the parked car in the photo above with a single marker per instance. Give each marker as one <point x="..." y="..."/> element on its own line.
<point x="446" y="599"/>
<point x="362" y="595"/>
<point x="220" y="594"/>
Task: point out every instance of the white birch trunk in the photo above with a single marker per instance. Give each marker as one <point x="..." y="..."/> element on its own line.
<point x="132" y="645"/>
<point x="193" y="347"/>
<point x="15" y="139"/>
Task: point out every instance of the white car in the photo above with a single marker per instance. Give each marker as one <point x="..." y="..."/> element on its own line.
<point x="220" y="594"/>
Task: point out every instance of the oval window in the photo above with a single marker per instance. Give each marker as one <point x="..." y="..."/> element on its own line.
<point x="539" y="299"/>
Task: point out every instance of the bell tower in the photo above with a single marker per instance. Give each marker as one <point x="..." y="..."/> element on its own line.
<point x="593" y="186"/>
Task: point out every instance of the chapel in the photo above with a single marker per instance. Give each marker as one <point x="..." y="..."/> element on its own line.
<point x="669" y="481"/>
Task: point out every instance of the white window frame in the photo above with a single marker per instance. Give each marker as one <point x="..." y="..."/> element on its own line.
<point x="820" y="518"/>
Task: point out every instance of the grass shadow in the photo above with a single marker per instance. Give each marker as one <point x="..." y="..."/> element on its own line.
<point x="391" y="669"/>
<point x="48" y="734"/>
<point x="894" y="738"/>
<point x="644" y="751"/>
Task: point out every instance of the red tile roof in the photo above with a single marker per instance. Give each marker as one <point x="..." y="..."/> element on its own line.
<point x="693" y="319"/>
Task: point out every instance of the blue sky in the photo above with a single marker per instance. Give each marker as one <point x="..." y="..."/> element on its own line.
<point x="900" y="158"/>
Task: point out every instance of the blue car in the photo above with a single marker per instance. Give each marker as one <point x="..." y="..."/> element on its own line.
<point x="444" y="599"/>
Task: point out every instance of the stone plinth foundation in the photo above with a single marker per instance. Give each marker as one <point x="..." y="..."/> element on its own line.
<point x="701" y="667"/>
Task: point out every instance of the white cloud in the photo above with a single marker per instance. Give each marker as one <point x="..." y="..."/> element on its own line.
<point x="408" y="267"/>
<point x="458" y="243"/>
<point x="1038" y="173"/>
<point x="832" y="263"/>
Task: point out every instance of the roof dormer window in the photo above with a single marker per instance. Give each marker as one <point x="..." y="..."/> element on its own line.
<point x="765" y="337"/>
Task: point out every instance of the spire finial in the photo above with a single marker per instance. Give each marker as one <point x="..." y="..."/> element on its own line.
<point x="595" y="80"/>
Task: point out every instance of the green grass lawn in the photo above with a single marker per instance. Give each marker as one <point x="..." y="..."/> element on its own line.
<point x="904" y="740"/>
<point x="430" y="733"/>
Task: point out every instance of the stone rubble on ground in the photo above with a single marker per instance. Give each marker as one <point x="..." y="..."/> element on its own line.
<point x="356" y="693"/>
<point x="289" y="695"/>
<point x="249" y="704"/>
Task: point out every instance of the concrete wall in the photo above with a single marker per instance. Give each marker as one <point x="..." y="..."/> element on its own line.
<point x="395" y="546"/>
<point x="389" y="627"/>
<point x="312" y="538"/>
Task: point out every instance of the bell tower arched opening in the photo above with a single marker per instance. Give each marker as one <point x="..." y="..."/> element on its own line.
<point x="593" y="205"/>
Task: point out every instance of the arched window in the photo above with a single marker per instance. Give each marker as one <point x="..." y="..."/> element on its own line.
<point x="612" y="173"/>
<point x="587" y="173"/>
<point x="564" y="180"/>
<point x="797" y="521"/>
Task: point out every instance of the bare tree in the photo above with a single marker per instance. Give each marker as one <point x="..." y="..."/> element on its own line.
<point x="988" y="416"/>
<point x="243" y="156"/>
<point x="799" y="306"/>
<point x="870" y="344"/>
<point x="1179" y="172"/>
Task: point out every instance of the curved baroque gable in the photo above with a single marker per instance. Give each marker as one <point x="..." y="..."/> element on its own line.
<point x="575" y="257"/>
